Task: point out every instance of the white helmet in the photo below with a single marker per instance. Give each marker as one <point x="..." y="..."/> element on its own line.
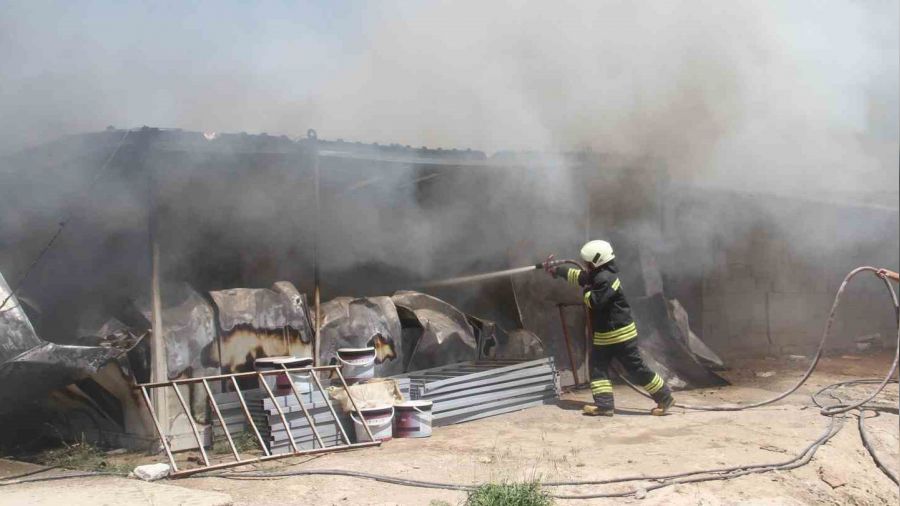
<point x="597" y="253"/>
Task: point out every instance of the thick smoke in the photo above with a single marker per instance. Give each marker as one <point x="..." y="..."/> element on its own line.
<point x="774" y="96"/>
<point x="738" y="93"/>
<point x="762" y="97"/>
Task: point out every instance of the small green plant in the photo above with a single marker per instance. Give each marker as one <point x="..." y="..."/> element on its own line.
<point x="82" y="456"/>
<point x="437" y="502"/>
<point x="244" y="441"/>
<point x="509" y="494"/>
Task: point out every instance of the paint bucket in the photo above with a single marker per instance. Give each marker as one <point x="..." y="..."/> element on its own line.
<point x="301" y="379"/>
<point x="279" y="382"/>
<point x="380" y="420"/>
<point x="412" y="419"/>
<point x="263" y="364"/>
<point x="357" y="364"/>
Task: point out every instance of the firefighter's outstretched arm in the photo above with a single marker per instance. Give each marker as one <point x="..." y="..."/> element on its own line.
<point x="574" y="276"/>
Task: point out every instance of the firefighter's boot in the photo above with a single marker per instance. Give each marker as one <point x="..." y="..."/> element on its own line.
<point x="594" y="410"/>
<point x="662" y="407"/>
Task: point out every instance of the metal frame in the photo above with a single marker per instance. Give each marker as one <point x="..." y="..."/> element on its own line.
<point x="146" y="388"/>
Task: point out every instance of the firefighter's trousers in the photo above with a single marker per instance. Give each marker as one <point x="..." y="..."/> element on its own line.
<point x="628" y="354"/>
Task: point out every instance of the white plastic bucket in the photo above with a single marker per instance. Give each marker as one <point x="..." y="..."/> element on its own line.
<point x="357" y="364"/>
<point x="412" y="419"/>
<point x="279" y="382"/>
<point x="264" y="364"/>
<point x="301" y="379"/>
<point x="380" y="420"/>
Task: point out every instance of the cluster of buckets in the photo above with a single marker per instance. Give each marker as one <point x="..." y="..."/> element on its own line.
<point x="403" y="419"/>
<point x="407" y="419"/>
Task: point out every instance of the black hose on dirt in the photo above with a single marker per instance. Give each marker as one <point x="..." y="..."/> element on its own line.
<point x="799" y="460"/>
<point x="829" y="410"/>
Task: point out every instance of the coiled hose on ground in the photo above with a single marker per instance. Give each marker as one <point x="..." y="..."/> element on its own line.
<point x="835" y="412"/>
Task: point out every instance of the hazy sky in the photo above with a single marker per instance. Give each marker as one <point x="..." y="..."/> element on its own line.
<point x="73" y="66"/>
<point x="811" y="87"/>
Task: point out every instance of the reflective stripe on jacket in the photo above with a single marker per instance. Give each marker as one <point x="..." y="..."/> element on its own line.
<point x="610" y="313"/>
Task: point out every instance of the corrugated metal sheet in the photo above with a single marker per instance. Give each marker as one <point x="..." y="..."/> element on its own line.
<point x="477" y="389"/>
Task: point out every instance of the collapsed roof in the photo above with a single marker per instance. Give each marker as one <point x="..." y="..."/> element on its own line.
<point x="237" y="210"/>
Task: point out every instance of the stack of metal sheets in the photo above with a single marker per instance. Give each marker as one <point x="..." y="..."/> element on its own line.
<point x="269" y="423"/>
<point x="471" y="390"/>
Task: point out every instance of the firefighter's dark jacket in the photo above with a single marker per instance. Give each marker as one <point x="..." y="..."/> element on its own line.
<point x="610" y="313"/>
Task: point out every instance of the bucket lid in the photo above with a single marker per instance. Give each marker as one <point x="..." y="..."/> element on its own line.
<point x="373" y="410"/>
<point x="356" y="351"/>
<point x="269" y="361"/>
<point x="419" y="404"/>
<point x="292" y="361"/>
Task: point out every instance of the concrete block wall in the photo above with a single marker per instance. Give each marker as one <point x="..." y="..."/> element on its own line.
<point x="764" y="294"/>
<point x="756" y="272"/>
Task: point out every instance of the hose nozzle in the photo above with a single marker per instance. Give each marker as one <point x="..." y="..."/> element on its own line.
<point x="551" y="262"/>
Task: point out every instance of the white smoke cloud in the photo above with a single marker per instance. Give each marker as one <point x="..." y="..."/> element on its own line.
<point x="739" y="93"/>
<point x="776" y="96"/>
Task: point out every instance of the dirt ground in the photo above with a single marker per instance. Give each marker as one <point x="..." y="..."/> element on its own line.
<point x="555" y="442"/>
<point x="105" y="491"/>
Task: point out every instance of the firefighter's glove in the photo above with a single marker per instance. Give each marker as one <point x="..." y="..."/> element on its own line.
<point x="549" y="266"/>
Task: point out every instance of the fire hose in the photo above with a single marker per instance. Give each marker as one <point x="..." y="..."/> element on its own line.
<point x="830" y="410"/>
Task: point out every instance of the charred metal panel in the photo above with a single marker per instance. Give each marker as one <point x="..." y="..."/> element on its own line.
<point x="188" y="330"/>
<point x="363" y="322"/>
<point x="664" y="350"/>
<point x="447" y="336"/>
<point x="16" y="333"/>
<point x="517" y="344"/>
<point x="262" y="323"/>
<point x="31" y="368"/>
<point x="103" y="408"/>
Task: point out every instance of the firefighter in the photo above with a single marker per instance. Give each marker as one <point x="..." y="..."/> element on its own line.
<point x="615" y="334"/>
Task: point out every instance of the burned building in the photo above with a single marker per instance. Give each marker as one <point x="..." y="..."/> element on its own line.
<point x="242" y="234"/>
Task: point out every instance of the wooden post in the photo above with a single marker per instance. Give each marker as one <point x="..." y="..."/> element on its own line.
<point x="159" y="370"/>
<point x="313" y="137"/>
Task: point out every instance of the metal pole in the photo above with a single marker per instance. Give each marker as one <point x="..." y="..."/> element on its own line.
<point x="262" y="444"/>
<point x="235" y="375"/>
<point x="158" y="366"/>
<point x="315" y="451"/>
<point x="313" y="138"/>
<point x="287" y="426"/>
<point x="159" y="430"/>
<point x="355" y="407"/>
<point x="187" y="413"/>
<point x="562" y="320"/>
<point x="312" y="423"/>
<point x="337" y="420"/>
<point x="215" y="407"/>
